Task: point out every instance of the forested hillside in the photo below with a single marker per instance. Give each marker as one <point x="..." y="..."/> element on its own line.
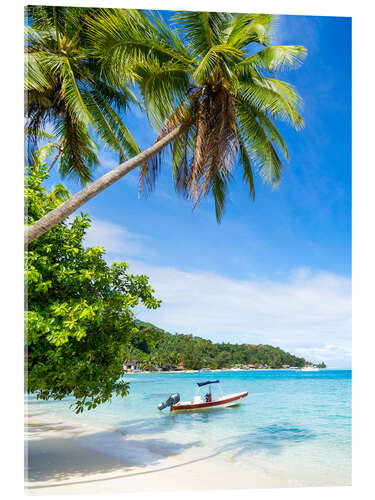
<point x="153" y="346"/>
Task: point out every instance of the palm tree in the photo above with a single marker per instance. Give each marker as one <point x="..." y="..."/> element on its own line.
<point x="211" y="94"/>
<point x="66" y="90"/>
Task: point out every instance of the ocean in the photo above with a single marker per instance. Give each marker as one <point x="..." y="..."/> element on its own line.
<point x="293" y="425"/>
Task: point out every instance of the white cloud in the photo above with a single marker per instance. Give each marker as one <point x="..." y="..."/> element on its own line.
<point x="309" y="314"/>
<point x="114" y="238"/>
<point x="333" y="355"/>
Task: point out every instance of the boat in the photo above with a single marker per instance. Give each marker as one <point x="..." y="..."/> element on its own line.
<point x="309" y="369"/>
<point x="206" y="402"/>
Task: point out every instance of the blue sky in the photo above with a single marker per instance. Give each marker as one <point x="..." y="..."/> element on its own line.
<point x="277" y="270"/>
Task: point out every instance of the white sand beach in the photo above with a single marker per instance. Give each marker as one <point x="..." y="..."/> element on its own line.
<point x="63" y="457"/>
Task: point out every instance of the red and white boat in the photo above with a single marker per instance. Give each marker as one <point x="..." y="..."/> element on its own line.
<point x="206" y="402"/>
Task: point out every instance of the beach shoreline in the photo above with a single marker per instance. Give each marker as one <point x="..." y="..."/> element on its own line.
<point x="64" y="456"/>
<point x="139" y="372"/>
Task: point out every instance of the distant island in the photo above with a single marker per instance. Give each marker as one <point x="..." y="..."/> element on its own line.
<point x="153" y="349"/>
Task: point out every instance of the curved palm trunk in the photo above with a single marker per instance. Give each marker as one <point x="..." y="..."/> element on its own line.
<point x="68" y="207"/>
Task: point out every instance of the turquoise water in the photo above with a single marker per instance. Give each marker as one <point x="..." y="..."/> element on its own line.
<point x="293" y="425"/>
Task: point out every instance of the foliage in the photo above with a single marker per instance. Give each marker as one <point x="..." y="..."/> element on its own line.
<point x="152" y="346"/>
<point x="66" y="90"/>
<point x="79" y="309"/>
<point x="214" y="75"/>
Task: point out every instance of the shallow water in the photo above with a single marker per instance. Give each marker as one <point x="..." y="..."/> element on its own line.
<point x="293" y="425"/>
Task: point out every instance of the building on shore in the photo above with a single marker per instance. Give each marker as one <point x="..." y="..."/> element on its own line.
<point x="132" y="365"/>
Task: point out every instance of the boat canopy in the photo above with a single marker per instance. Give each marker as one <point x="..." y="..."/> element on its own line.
<point x="200" y="384"/>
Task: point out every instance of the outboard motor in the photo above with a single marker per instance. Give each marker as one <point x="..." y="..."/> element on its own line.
<point x="172" y="400"/>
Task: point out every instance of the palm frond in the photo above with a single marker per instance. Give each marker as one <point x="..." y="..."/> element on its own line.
<point x="271" y="130"/>
<point x="277" y="99"/>
<point x="40" y="17"/>
<point x="204" y="154"/>
<point x="109" y="125"/>
<point x="118" y="35"/>
<point x="71" y="93"/>
<point x="281" y="57"/>
<point x="212" y="59"/>
<point x="168" y="35"/>
<point x="41" y="134"/>
<point x="38" y="39"/>
<point x="59" y="193"/>
<point x="246" y="164"/>
<point x="163" y="88"/>
<point x="250" y="28"/>
<point x="37" y="75"/>
<point x="68" y="87"/>
<point x="201" y="30"/>
<point x="67" y="20"/>
<point x="121" y="96"/>
<point x="237" y="26"/>
<point x="102" y="125"/>
<point x="261" y="151"/>
<point x="194" y="75"/>
<point x="182" y="115"/>
<point x="41" y="155"/>
<point x="219" y="193"/>
<point x="78" y="156"/>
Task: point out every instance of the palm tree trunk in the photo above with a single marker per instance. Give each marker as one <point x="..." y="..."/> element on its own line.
<point x="54" y="160"/>
<point x="68" y="207"/>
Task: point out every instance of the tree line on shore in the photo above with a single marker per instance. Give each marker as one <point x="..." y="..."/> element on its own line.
<point x="155" y="349"/>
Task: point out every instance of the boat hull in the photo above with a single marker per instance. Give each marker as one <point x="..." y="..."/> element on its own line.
<point x="223" y="402"/>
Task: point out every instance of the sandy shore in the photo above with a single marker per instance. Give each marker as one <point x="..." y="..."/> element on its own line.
<point x="63" y="457"/>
